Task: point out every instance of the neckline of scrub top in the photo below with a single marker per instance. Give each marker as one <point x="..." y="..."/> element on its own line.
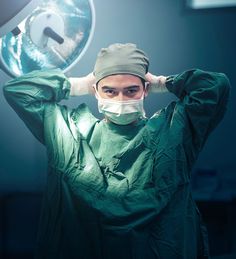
<point x="129" y="129"/>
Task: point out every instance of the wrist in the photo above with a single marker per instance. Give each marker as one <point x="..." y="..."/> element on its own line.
<point x="158" y="84"/>
<point x="80" y="85"/>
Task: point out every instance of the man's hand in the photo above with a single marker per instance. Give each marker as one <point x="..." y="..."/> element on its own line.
<point x="156" y="83"/>
<point x="82" y="85"/>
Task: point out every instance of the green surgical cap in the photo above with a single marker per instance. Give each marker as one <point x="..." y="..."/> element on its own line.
<point x="121" y="59"/>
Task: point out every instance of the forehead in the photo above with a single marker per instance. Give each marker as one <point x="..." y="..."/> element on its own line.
<point x="120" y="80"/>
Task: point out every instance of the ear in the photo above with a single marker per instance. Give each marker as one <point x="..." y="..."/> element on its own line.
<point x="94" y="89"/>
<point x="146" y="89"/>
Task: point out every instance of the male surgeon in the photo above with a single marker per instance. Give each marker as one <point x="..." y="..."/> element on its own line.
<point x="119" y="188"/>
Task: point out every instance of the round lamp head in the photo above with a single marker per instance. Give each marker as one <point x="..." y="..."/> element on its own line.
<point x="54" y="35"/>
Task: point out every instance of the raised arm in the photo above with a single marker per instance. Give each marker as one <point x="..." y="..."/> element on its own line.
<point x="202" y="103"/>
<point x="204" y="96"/>
<point x="29" y="94"/>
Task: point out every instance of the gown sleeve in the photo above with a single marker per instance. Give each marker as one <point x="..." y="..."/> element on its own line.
<point x="29" y="95"/>
<point x="202" y="104"/>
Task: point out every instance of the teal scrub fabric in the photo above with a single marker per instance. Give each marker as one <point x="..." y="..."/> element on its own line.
<point x="120" y="191"/>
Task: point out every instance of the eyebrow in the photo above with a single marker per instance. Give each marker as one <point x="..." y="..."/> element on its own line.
<point x="126" y="88"/>
<point x="107" y="87"/>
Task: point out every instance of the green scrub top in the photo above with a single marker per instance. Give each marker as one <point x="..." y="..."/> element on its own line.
<point x="120" y="192"/>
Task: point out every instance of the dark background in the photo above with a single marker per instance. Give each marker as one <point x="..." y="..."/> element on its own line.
<point x="176" y="38"/>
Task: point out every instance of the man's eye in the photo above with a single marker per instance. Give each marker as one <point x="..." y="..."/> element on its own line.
<point x="132" y="91"/>
<point x="109" y="91"/>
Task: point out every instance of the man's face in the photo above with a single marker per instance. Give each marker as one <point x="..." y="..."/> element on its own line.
<point x="121" y="87"/>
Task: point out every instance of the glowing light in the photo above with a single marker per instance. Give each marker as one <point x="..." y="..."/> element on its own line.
<point x="20" y="54"/>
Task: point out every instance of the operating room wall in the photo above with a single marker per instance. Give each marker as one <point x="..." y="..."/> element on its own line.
<point x="176" y="39"/>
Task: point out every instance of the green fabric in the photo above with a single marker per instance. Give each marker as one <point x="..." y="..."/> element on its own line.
<point x="120" y="191"/>
<point x="121" y="59"/>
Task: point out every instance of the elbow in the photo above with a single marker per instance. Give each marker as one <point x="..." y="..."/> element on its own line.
<point x="219" y="84"/>
<point x="9" y="92"/>
<point x="6" y="91"/>
<point x="223" y="84"/>
<point x="223" y="93"/>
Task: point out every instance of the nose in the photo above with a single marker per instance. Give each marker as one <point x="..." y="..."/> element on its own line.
<point x="121" y="97"/>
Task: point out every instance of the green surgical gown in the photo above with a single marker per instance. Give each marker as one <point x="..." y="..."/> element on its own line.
<point x="120" y="192"/>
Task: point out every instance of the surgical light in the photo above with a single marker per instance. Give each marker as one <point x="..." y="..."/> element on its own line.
<point x="53" y="34"/>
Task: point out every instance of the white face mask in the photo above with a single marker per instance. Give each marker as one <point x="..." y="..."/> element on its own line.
<point x="121" y="112"/>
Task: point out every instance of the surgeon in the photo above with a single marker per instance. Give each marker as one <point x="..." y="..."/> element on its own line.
<point x="119" y="188"/>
